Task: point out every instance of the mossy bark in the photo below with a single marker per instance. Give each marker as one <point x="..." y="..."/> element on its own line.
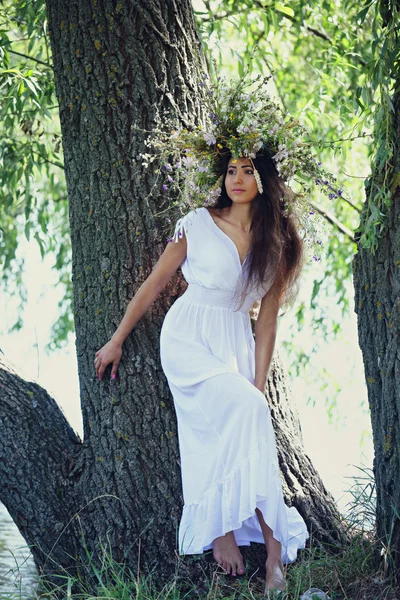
<point x="117" y="66"/>
<point x="377" y="304"/>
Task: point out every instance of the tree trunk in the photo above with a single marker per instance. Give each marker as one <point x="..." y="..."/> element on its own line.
<point x="117" y="65"/>
<point x="377" y="304"/>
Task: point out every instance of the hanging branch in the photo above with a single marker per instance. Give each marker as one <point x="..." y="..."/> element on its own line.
<point x="37" y="60"/>
<point x="334" y="221"/>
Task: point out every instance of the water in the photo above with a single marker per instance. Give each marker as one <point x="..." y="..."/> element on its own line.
<point x="17" y="569"/>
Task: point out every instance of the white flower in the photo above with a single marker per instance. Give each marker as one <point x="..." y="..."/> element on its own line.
<point x="243" y="128"/>
<point x="188" y="162"/>
<point x="281" y="154"/>
<point x="273" y="129"/>
<point x="209" y="138"/>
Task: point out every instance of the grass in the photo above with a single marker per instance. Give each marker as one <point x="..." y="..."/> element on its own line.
<point x="350" y="574"/>
<point x="354" y="572"/>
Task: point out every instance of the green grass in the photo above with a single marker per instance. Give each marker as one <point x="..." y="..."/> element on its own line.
<point x="354" y="572"/>
<point x="351" y="574"/>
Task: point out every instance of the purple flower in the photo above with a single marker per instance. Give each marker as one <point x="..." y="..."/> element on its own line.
<point x="319" y="164"/>
<point x="170" y="179"/>
<point x="317" y="181"/>
<point x="165" y="187"/>
<point x="201" y="84"/>
<point x="340" y="192"/>
<point x="316" y="258"/>
<point x="168" y="167"/>
<point x="169" y="240"/>
<point x="331" y="196"/>
<point x="311" y="212"/>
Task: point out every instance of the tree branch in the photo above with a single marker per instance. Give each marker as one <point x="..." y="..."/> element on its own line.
<point x="350" y="203"/>
<point x="334" y="221"/>
<point x="46" y="160"/>
<point x="38" y="453"/>
<point x="232" y="13"/>
<point x="312" y="30"/>
<point x="30" y="110"/>
<point x="37" y="60"/>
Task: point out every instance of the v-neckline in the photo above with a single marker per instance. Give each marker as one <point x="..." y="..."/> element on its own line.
<point x="226" y="236"/>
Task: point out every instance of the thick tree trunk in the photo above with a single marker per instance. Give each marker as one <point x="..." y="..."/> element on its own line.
<point x="117" y="65"/>
<point x="47" y="486"/>
<point x="377" y="304"/>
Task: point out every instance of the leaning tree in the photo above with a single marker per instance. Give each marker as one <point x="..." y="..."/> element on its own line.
<point x="118" y="67"/>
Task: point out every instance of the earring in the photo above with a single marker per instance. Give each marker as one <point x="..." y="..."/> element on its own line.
<point x="257" y="178"/>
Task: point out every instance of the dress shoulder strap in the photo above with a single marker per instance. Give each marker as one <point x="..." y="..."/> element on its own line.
<point x="183" y="224"/>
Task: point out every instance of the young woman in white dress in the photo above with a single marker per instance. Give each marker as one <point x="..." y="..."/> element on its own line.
<point x="261" y="242"/>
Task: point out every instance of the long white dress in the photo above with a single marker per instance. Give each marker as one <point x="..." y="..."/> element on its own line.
<point x="227" y="443"/>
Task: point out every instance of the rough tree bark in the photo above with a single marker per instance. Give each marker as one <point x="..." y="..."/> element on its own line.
<point x="118" y="64"/>
<point x="377" y="304"/>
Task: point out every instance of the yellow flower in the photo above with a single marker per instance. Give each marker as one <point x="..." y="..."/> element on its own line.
<point x="234" y="160"/>
<point x="219" y="145"/>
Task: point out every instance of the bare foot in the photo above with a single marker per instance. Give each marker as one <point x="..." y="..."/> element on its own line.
<point x="228" y="555"/>
<point x="275" y="577"/>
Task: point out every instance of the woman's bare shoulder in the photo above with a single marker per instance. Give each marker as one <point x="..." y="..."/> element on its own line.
<point x="215" y="212"/>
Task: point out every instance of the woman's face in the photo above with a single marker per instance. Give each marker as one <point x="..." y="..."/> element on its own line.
<point x="240" y="182"/>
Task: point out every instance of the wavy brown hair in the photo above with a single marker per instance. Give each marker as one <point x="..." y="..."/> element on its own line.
<point x="277" y="249"/>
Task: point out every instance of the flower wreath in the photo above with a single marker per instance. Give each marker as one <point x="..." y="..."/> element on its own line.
<point x="246" y="122"/>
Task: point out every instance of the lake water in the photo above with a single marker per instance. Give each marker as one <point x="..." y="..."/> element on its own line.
<point x="17" y="569"/>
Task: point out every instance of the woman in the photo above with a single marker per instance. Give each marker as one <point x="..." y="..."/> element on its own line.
<point x="244" y="249"/>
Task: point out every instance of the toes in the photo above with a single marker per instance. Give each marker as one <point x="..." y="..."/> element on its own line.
<point x="240" y="568"/>
<point x="219" y="562"/>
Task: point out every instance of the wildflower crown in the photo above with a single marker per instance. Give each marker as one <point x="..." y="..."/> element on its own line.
<point x="243" y="121"/>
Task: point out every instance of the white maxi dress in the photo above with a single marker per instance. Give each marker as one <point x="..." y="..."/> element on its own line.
<point x="227" y="443"/>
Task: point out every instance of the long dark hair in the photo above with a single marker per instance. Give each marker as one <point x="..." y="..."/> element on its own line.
<point x="277" y="249"/>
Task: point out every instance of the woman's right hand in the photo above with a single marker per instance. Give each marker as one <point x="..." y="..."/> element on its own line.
<point x="109" y="353"/>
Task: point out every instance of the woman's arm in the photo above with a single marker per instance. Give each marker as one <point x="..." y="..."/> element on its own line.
<point x="265" y="333"/>
<point x="172" y="257"/>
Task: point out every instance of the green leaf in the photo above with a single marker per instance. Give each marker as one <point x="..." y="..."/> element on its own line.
<point x="27" y="229"/>
<point x="41" y="243"/>
<point x="31" y="85"/>
<point x="286" y="10"/>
